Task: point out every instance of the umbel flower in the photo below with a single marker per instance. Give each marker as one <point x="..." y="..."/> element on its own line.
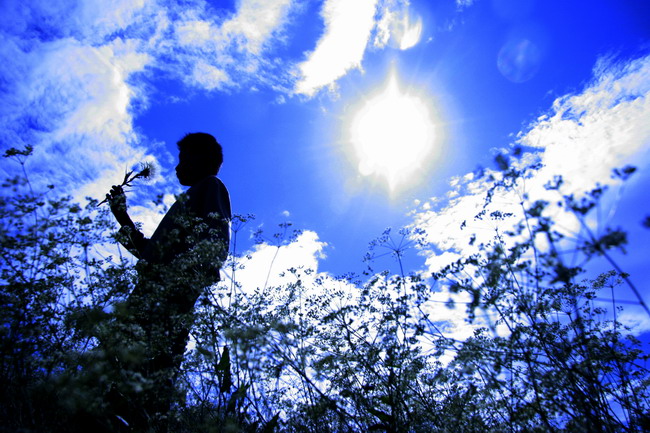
<point x="147" y="171"/>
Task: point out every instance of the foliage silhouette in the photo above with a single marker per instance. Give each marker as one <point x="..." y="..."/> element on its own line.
<point x="314" y="353"/>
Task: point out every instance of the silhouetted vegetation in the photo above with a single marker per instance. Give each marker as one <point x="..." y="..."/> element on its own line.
<point x="318" y="354"/>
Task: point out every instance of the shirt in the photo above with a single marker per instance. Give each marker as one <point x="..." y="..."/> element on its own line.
<point x="201" y="216"/>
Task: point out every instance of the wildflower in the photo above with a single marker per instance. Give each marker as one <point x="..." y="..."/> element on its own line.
<point x="147" y="171"/>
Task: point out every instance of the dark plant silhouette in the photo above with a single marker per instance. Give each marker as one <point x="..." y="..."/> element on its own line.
<point x="316" y="353"/>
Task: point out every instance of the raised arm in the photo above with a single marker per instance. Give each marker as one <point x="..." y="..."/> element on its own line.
<point x="132" y="239"/>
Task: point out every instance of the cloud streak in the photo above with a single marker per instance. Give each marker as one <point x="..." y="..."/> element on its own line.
<point x="349" y="28"/>
<point x="224" y="51"/>
<point x="72" y="80"/>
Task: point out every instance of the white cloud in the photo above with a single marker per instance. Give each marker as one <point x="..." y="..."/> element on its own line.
<point x="209" y="76"/>
<point x="409" y="33"/>
<point x="582" y="138"/>
<point x="74" y="107"/>
<point x="636" y="319"/>
<point x="464" y="3"/>
<point x="256" y="21"/>
<point x="97" y="19"/>
<point x="266" y="265"/>
<point x="92" y="85"/>
<point x="397" y="27"/>
<point x="348" y="25"/>
<point x="70" y="91"/>
<point x="448" y="313"/>
<point x="606" y="126"/>
<point x="194" y="32"/>
<point x="223" y="50"/>
<point x="72" y="86"/>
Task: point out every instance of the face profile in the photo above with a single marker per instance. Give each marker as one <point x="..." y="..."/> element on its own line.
<point x="190" y="168"/>
<point x="200" y="155"/>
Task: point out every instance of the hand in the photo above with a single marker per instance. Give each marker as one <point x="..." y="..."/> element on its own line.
<point x="117" y="201"/>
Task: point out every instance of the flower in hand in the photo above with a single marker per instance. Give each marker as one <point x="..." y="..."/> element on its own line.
<point x="147" y="171"/>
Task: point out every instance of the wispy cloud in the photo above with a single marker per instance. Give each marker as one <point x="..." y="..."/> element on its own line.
<point x="68" y="90"/>
<point x="585" y="135"/>
<point x="71" y="76"/>
<point x="256" y="21"/>
<point x="581" y="138"/>
<point x="464" y="3"/>
<point x="224" y="51"/>
<point x="349" y="28"/>
<point x="396" y="26"/>
<point x="74" y="106"/>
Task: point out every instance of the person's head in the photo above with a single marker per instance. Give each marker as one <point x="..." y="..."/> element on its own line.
<point x="199" y="155"/>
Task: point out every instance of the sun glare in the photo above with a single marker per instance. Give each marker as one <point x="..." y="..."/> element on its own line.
<point x="393" y="135"/>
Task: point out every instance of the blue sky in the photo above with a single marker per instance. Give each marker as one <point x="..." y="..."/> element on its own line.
<point x="283" y="85"/>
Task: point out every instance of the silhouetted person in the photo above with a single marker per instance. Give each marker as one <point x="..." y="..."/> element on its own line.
<point x="181" y="258"/>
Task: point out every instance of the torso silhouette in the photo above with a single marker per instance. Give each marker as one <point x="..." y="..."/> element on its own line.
<point x="181" y="258"/>
<point x="206" y="202"/>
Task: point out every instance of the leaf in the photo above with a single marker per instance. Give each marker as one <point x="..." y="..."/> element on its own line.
<point x="224" y="368"/>
<point x="502" y="162"/>
<point x="383" y="416"/>
<point x="15" y="152"/>
<point x="270" y="426"/>
<point x="205" y="352"/>
<point x="646" y="222"/>
<point x="623" y="173"/>
<point x="126" y="177"/>
<point x="239" y="394"/>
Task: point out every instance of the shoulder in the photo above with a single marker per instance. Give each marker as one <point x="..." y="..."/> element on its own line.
<point x="211" y="185"/>
<point x="215" y="183"/>
<point x="210" y="195"/>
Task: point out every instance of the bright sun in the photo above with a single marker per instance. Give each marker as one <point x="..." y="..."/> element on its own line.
<point x="393" y="135"/>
